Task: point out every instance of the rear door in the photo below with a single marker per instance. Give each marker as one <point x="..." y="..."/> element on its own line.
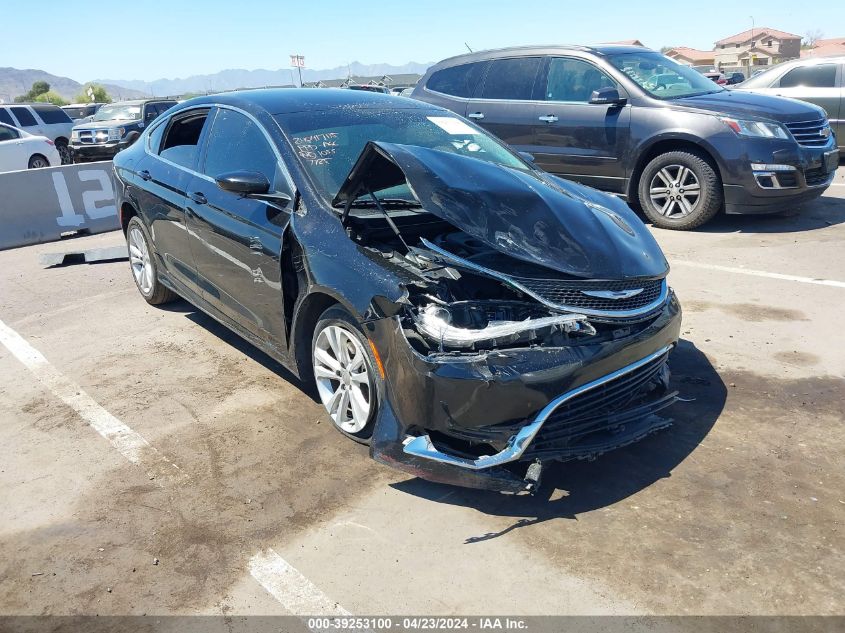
<point x="452" y="87"/>
<point x="819" y="84"/>
<point x="506" y="100"/>
<point x="169" y="164"/>
<point x="238" y="243"/>
<point x="27" y="121"/>
<point x="574" y="138"/>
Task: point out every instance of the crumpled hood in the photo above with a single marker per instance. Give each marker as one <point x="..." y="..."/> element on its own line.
<point x="529" y="215"/>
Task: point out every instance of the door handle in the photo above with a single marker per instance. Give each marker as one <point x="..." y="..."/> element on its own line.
<point x="145" y="175"/>
<point x="476" y="115"/>
<point x="549" y="118"/>
<point x="198" y="197"/>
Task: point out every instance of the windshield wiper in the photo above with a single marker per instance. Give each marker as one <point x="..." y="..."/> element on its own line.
<point x="393" y="203"/>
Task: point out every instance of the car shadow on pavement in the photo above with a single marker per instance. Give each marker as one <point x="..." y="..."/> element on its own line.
<point x="574" y="488"/>
<point x="239" y="343"/>
<point x="818" y="214"/>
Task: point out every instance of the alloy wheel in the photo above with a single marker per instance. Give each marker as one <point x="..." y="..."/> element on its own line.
<point x="139" y="259"/>
<point x="675" y="191"/>
<point x="38" y="163"/>
<point x="342" y="377"/>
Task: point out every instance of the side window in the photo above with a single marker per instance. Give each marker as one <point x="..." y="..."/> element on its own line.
<point x="5" y="117"/>
<point x="152" y="111"/>
<point x="574" y="80"/>
<point x="154" y="140"/>
<point x="511" y="78"/>
<point x="51" y="114"/>
<point x="817" y="76"/>
<point x="458" y="81"/>
<point x="8" y="134"/>
<point x="182" y="138"/>
<point x="235" y="143"/>
<point x="23" y="116"/>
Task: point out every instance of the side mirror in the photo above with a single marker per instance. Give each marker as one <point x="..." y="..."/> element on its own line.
<point x="252" y="184"/>
<point x="527" y="157"/>
<point x="245" y="183"/>
<point x="606" y="96"/>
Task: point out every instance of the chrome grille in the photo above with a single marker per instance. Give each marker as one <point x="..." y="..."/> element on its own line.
<point x="569" y="293"/>
<point x="810" y="133"/>
<point x="89" y="137"/>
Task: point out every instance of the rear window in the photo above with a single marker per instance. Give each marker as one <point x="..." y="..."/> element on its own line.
<point x="458" y="81"/>
<point x="511" y="79"/>
<point x="5" y="117"/>
<point x="23" y="116"/>
<point x="51" y="114"/>
<point x="816" y="76"/>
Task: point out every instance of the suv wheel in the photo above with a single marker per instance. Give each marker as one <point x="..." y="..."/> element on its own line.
<point x="679" y="190"/>
<point x="142" y="263"/>
<point x="64" y="152"/>
<point x="345" y="375"/>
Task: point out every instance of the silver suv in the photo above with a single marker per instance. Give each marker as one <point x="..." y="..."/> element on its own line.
<point x="41" y="119"/>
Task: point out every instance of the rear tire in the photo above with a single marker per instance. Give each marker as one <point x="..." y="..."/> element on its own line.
<point x="37" y="161"/>
<point x="680" y="191"/>
<point x="345" y="375"/>
<point x="142" y="263"/>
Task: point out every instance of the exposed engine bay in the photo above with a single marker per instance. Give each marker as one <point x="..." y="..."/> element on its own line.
<point x="464" y="299"/>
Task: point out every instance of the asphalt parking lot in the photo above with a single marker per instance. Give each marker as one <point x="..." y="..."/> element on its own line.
<point x="221" y="488"/>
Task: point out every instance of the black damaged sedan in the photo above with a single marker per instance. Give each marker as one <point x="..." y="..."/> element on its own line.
<point x="467" y="315"/>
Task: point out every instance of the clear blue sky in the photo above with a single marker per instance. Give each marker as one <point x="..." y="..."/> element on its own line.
<point x="150" y="39"/>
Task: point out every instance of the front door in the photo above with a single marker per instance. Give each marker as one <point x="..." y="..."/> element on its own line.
<point x="574" y="138"/>
<point x="238" y="239"/>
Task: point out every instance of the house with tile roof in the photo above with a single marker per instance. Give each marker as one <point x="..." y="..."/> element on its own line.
<point x="761" y="46"/>
<point x="825" y="48"/>
<point x="691" y="56"/>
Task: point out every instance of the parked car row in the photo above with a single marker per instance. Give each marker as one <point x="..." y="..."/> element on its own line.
<point x="636" y="123"/>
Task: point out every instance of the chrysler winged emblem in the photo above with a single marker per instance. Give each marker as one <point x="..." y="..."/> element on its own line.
<point x="612" y="294"/>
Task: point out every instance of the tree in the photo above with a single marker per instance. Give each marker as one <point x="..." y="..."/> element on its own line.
<point x="38" y="88"/>
<point x="100" y="94"/>
<point x="811" y="37"/>
<point x="664" y="49"/>
<point x="51" y="97"/>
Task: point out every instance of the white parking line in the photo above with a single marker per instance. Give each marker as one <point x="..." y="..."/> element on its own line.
<point x="294" y="591"/>
<point x="128" y="443"/>
<point x="761" y="273"/>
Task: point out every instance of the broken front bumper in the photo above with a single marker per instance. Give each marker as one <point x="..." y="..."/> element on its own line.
<point x="477" y="397"/>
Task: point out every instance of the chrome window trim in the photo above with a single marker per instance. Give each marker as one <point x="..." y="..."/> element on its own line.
<point x="422" y="446"/>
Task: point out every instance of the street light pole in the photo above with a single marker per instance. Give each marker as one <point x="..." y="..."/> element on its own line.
<point x="750" y="50"/>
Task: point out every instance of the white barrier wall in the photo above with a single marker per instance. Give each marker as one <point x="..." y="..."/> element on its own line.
<point x="38" y="205"/>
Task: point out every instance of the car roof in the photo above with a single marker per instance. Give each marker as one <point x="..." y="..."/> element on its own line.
<point x="288" y="100"/>
<point x="140" y="101"/>
<point x="549" y="49"/>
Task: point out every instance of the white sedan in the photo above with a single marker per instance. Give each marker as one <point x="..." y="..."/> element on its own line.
<point x="20" y="150"/>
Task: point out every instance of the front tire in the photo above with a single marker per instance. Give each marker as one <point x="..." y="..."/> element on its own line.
<point x="143" y="265"/>
<point x="345" y="375"/>
<point x="680" y="191"/>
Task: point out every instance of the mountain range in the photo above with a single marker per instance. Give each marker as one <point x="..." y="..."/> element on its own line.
<point x="233" y="79"/>
<point x="15" y="81"/>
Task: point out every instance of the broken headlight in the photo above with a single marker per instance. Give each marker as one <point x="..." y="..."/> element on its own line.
<point x="472" y="324"/>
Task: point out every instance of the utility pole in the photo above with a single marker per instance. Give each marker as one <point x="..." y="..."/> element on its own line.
<point x="298" y="61"/>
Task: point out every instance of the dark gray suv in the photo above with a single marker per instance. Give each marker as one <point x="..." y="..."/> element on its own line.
<point x="634" y="122"/>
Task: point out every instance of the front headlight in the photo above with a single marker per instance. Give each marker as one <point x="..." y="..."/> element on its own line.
<point x="758" y="129"/>
<point x="116" y="133"/>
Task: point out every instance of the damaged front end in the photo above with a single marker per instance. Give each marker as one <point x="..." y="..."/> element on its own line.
<point x="537" y="326"/>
